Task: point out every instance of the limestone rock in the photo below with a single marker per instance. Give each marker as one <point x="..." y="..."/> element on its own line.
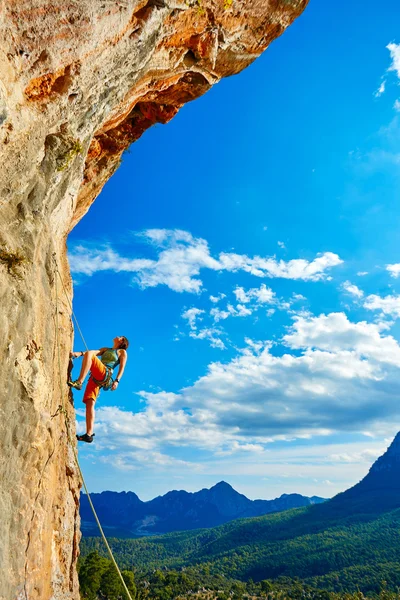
<point x="79" y="82"/>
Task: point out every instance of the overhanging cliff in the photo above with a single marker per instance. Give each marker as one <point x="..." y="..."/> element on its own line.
<point x="79" y="82"/>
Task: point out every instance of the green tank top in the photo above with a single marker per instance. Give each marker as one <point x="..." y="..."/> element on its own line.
<point x="110" y="358"/>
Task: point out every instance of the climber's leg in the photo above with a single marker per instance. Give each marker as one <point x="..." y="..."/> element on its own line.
<point x="89" y="415"/>
<point x="86" y="364"/>
<point x="92" y="391"/>
<point x="90" y="363"/>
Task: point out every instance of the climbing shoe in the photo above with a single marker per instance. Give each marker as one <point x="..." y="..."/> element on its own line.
<point x="75" y="384"/>
<point x="85" y="438"/>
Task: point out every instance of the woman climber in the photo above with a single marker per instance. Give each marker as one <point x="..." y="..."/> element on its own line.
<point x="100" y="377"/>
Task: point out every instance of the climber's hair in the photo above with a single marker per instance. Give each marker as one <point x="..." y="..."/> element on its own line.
<point x="124" y="344"/>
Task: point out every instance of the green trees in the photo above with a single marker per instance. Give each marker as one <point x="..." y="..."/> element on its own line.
<point x="286" y="555"/>
<point x="90" y="575"/>
<point x="100" y="581"/>
<point x="129" y="579"/>
<point x="98" y="576"/>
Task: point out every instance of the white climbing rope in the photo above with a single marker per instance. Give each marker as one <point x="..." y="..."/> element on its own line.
<point x="62" y="409"/>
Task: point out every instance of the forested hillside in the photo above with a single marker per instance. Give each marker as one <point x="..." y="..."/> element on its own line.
<point x="349" y="543"/>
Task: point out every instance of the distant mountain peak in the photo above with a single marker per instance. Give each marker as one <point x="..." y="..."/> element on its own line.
<point x="390" y="460"/>
<point x="222" y="485"/>
<point x="379" y="488"/>
<point x="178" y="510"/>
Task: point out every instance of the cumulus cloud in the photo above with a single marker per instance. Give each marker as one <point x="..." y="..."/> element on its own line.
<point x="212" y="334"/>
<point x="262" y="295"/>
<point x="336" y="334"/>
<point x="336" y="376"/>
<point x="352" y="289"/>
<point x="394" y="270"/>
<point x="191" y="315"/>
<point x="298" y="297"/>
<point x="299" y="269"/>
<point x="216" y="299"/>
<point x="181" y="257"/>
<point x="394" y="50"/>
<point x="179" y="261"/>
<point x="345" y="377"/>
<point x="388" y="305"/>
<point x="248" y="301"/>
<point x="221" y="314"/>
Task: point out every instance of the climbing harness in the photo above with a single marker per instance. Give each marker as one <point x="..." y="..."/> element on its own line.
<point x="62" y="410"/>
<point x="107" y="382"/>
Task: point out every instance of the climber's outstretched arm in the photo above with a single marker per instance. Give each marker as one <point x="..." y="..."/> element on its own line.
<point x="82" y="352"/>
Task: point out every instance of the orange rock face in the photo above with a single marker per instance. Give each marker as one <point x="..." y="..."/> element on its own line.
<point x="79" y="82"/>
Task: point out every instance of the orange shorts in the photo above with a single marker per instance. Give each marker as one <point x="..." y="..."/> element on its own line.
<point x="99" y="371"/>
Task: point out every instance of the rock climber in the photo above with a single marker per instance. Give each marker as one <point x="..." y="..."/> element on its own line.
<point x="101" y="371"/>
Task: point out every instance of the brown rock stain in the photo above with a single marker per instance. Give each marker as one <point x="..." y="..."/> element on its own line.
<point x="51" y="84"/>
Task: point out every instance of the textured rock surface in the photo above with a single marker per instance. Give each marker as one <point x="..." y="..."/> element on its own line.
<point x="79" y="81"/>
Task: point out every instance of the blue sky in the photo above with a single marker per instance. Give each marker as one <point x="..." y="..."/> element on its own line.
<point x="249" y="251"/>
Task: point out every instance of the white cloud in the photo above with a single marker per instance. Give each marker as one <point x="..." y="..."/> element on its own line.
<point x="394" y="270"/>
<point x="362" y="273"/>
<point x="248" y="302"/>
<point x="221" y="315"/>
<point x="336" y="334"/>
<point x="394" y="50"/>
<point x="396" y="105"/>
<point x="352" y="289"/>
<point x="191" y="315"/>
<point x="344" y="376"/>
<point x="243" y="311"/>
<point x="235" y="447"/>
<point x="239" y="311"/>
<point x="388" y="305"/>
<point x="216" y="299"/>
<point x="133" y="461"/>
<point x="212" y="334"/>
<point x="380" y="90"/>
<point x="226" y="420"/>
<point x="282" y="245"/>
<point x="241" y="295"/>
<point x="181" y="257"/>
<point x="367" y="455"/>
<point x="262" y="295"/>
<point x="292" y="269"/>
<point x="298" y="297"/>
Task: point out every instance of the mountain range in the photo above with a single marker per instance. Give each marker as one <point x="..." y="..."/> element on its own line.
<point x="123" y="514"/>
<point x="348" y="543"/>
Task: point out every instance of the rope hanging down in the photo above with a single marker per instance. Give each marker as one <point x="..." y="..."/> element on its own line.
<point x="62" y="410"/>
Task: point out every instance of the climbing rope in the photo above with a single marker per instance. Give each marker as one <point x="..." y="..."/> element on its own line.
<point x="62" y="409"/>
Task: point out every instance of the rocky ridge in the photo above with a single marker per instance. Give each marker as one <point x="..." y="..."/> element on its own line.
<point x="124" y="514"/>
<point x="79" y="82"/>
